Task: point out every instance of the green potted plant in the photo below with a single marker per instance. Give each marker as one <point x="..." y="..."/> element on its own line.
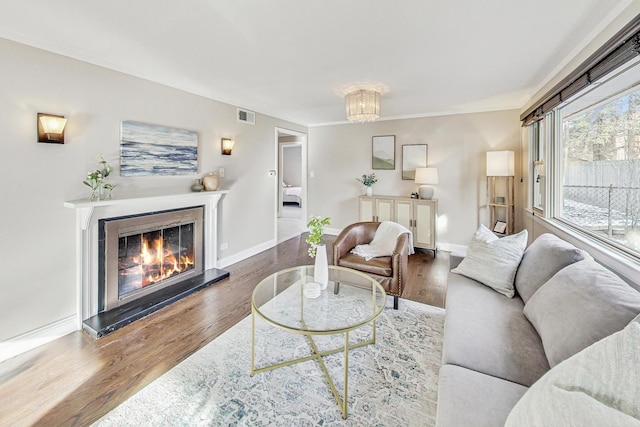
<point x="316" y="230"/>
<point x="97" y="180"/>
<point x="318" y="250"/>
<point x="368" y="181"/>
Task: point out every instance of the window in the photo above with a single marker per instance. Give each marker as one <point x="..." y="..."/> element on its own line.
<point x="537" y="135"/>
<point x="598" y="161"/>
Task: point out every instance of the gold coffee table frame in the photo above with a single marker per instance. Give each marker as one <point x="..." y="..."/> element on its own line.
<point x="340" y="278"/>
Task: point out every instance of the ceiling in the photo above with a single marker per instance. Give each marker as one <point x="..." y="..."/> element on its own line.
<point x="294" y="59"/>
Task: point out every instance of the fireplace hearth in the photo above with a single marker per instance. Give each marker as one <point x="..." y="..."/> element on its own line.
<point x="106" y="322"/>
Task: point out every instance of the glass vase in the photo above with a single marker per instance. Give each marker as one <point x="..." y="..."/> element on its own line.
<point x="99" y="193"/>
<point x="95" y="194"/>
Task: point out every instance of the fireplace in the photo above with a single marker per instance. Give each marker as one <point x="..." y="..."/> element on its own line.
<point x="142" y="254"/>
<point x="110" y="234"/>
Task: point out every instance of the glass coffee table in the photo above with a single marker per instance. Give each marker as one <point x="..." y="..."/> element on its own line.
<point x="350" y="301"/>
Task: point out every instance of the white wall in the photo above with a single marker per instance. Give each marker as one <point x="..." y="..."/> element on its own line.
<point x="38" y="234"/>
<point x="457" y="145"/>
<point x="292" y="165"/>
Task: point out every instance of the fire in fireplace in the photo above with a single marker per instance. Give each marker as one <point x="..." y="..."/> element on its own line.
<point x="145" y="253"/>
<point x="151" y="257"/>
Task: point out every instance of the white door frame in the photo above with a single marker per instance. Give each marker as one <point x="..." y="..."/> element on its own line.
<point x="278" y="167"/>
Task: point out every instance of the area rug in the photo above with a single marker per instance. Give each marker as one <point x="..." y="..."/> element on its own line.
<point x="393" y="382"/>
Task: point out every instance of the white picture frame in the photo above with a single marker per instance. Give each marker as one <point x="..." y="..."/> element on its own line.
<point x="500" y="227"/>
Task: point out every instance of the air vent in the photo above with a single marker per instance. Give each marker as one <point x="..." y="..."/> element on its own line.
<point x="246" y="116"/>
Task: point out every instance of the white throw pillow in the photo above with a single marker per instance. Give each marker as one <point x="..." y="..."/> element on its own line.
<point x="493" y="261"/>
<point x="599" y="386"/>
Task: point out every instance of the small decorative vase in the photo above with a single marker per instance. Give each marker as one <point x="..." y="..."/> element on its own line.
<point x="369" y="191"/>
<point x="321" y="267"/>
<point x="211" y="182"/>
<point x="97" y="194"/>
<point x="197" y="186"/>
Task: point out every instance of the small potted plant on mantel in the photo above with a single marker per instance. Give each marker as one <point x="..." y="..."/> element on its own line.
<point x="318" y="250"/>
<point x="97" y="181"/>
<point x="368" y="181"/>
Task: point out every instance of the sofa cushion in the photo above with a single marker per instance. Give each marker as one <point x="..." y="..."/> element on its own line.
<point x="546" y="256"/>
<point x="493" y="261"/>
<point x="599" y="386"/>
<point x="488" y="333"/>
<point x="469" y="398"/>
<point x="580" y="305"/>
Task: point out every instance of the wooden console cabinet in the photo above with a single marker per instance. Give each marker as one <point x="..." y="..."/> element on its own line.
<point x="418" y="215"/>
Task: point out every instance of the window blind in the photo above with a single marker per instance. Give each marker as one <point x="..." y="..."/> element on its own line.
<point x="621" y="48"/>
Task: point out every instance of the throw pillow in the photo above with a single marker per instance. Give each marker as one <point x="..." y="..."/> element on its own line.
<point x="600" y="386"/>
<point x="546" y="256"/>
<point x="493" y="261"/>
<point x="580" y="305"/>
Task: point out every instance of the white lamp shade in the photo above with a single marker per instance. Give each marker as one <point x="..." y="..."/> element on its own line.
<point x="53" y="124"/>
<point x="426" y="176"/>
<point x="500" y="163"/>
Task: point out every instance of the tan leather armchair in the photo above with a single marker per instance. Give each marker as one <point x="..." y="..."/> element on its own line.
<point x="389" y="271"/>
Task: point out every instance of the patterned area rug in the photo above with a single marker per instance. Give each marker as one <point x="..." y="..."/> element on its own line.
<point x="393" y="382"/>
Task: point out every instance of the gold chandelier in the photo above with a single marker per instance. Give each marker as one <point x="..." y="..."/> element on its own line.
<point x="362" y="105"/>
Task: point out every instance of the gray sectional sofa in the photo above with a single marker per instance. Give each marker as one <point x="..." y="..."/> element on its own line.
<point x="496" y="346"/>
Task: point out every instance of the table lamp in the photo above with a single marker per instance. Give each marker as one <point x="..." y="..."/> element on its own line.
<point x="426" y="177"/>
<point x="500" y="163"/>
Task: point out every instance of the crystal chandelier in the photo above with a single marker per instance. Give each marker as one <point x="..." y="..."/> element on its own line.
<point x="362" y="105"/>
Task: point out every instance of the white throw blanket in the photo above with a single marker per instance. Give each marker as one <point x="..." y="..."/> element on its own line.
<point x="384" y="241"/>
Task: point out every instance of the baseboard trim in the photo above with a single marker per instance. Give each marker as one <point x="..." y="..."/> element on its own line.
<point x="247" y="253"/>
<point x="452" y="247"/>
<point x="332" y="231"/>
<point x="241" y="256"/>
<point x="37" y="337"/>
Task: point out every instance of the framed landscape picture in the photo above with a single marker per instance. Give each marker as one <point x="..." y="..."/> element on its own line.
<point x="384" y="152"/>
<point x="413" y="156"/>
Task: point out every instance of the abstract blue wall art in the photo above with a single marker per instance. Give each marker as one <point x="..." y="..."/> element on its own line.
<point x="157" y="150"/>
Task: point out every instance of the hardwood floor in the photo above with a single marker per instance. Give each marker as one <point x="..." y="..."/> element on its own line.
<point x="75" y="379"/>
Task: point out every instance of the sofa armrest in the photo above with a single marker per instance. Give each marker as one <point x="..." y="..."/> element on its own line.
<point x="455" y="260"/>
<point x="400" y="262"/>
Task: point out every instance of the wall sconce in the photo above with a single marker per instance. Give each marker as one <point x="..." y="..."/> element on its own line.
<point x="51" y="128"/>
<point x="227" y="146"/>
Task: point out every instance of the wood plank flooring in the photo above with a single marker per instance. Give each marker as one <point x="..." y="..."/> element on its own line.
<point x="75" y="379"/>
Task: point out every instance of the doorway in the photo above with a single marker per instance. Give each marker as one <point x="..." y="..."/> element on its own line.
<point x="291" y="194"/>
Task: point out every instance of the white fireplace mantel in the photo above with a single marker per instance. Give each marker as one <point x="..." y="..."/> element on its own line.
<point x="85" y="207"/>
<point x="88" y="214"/>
